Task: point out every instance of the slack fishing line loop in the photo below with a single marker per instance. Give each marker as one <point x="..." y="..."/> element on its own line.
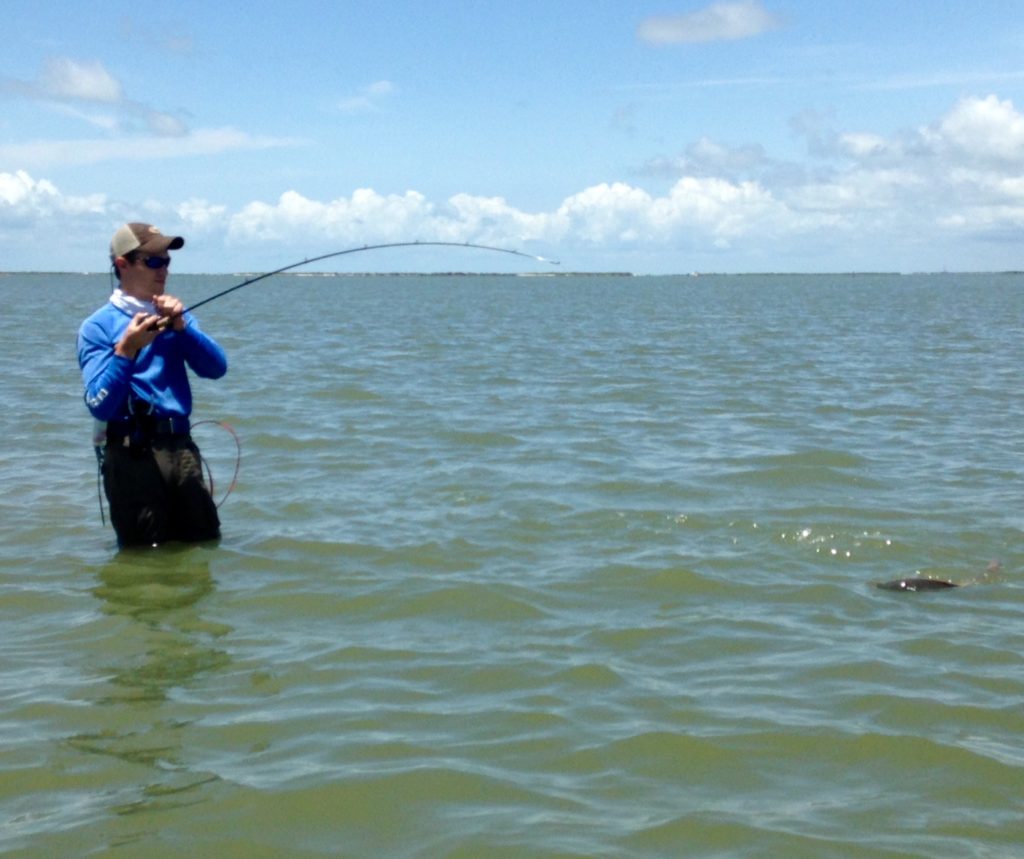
<point x="238" y="458"/>
<point x="204" y="464"/>
<point x="362" y="248"/>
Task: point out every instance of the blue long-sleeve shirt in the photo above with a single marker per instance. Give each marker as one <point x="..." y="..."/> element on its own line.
<point x="157" y="374"/>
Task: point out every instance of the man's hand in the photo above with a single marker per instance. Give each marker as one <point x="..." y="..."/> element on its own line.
<point x="170" y="308"/>
<point x="141" y="331"/>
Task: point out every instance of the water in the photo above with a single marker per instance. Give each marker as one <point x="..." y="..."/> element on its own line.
<point x="532" y="567"/>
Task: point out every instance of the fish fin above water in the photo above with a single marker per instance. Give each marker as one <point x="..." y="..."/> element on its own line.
<point x="916" y="583"/>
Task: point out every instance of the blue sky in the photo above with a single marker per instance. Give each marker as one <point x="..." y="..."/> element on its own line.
<point x="652" y="137"/>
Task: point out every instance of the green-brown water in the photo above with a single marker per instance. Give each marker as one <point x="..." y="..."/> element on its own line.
<point x="532" y="567"/>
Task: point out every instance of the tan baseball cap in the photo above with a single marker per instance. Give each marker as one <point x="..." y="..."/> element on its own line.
<point x="142" y="237"/>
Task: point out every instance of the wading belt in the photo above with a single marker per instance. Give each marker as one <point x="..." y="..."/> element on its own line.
<point x="139" y="426"/>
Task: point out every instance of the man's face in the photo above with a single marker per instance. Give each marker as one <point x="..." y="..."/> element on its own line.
<point x="144" y="277"/>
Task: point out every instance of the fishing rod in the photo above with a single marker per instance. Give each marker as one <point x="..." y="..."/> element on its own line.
<point x="360" y="249"/>
<point x="163" y="323"/>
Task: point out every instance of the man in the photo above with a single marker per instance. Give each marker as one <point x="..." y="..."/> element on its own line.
<point x="133" y="352"/>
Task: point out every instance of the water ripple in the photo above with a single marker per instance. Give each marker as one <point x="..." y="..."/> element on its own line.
<point x="582" y="567"/>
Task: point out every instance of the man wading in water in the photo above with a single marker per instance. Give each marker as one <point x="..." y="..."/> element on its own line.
<point x="133" y="352"/>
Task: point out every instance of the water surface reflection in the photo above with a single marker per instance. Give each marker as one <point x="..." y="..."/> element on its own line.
<point x="163" y="646"/>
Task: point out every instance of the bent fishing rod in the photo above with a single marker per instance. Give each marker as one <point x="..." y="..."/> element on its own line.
<point x="163" y="323"/>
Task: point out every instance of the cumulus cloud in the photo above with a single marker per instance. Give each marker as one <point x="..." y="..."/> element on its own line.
<point x="987" y="128"/>
<point x="960" y="177"/>
<point x="725" y="20"/>
<point x="970" y="160"/>
<point x="612" y="213"/>
<point x="24" y="199"/>
<point x="975" y="130"/>
<point x="366" y="215"/>
<point x="201" y="215"/>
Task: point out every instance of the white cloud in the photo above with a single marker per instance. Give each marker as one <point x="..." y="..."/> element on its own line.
<point x="862" y="145"/>
<point x="23" y="198"/>
<point x="491" y="219"/>
<point x="975" y="129"/>
<point x="862" y="192"/>
<point x="603" y="214"/>
<point x="983" y="128"/>
<point x="66" y="79"/>
<point x="961" y="177"/>
<point x="613" y="212"/>
<point x="366" y="216"/>
<point x="18" y="188"/>
<point x="721" y="21"/>
<point x="868" y="184"/>
<point x="958" y="179"/>
<point x="706" y="157"/>
<point x="201" y="215"/>
<point x="76" y="88"/>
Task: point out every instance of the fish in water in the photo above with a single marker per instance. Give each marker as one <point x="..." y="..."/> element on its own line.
<point x="916" y="583"/>
<point x="924" y="583"/>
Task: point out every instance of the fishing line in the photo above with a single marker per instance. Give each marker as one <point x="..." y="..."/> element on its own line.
<point x="166" y="321"/>
<point x="238" y="458"/>
<point x="360" y="249"/>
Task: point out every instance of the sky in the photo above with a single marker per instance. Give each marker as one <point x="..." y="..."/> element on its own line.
<point x="663" y="137"/>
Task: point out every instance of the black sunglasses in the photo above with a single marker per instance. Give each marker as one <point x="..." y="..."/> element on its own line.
<point x="156" y="263"/>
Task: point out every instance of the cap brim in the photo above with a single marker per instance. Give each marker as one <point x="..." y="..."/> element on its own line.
<point x="161" y="244"/>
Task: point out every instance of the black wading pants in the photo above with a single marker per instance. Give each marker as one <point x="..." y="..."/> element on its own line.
<point x="157" y="493"/>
